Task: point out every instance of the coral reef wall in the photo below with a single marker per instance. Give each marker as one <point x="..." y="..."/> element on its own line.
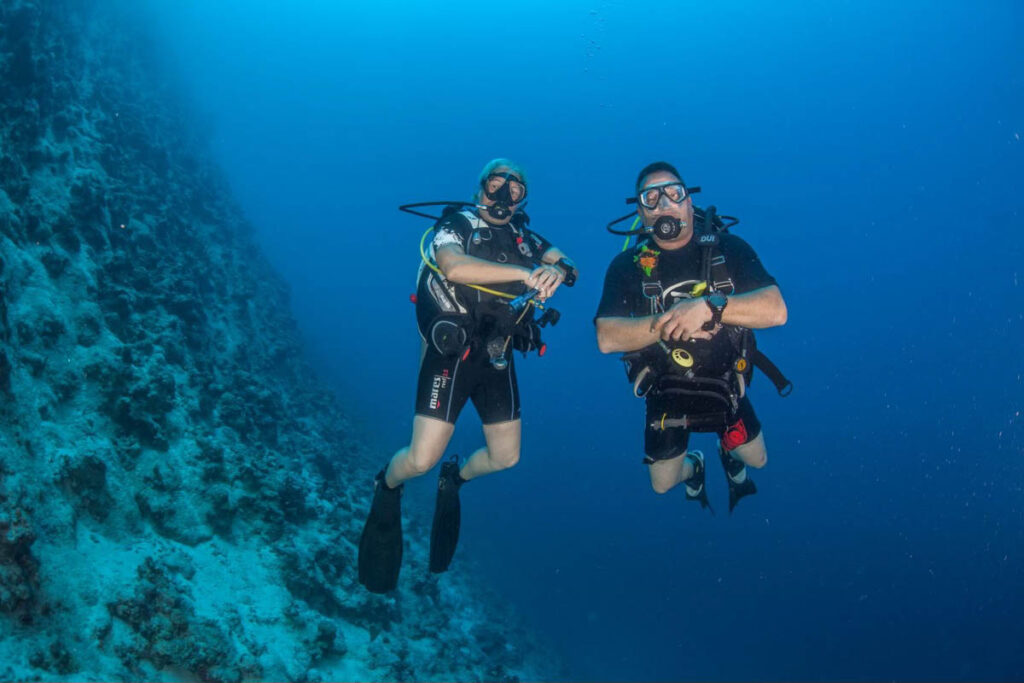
<point x="180" y="498"/>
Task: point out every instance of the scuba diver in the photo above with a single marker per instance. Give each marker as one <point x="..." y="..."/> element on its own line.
<point x="482" y="277"/>
<point x="681" y="305"/>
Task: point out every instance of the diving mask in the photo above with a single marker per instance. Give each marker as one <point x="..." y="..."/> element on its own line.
<point x="505" y="190"/>
<point x="650" y="196"/>
<point x="507" y="186"/>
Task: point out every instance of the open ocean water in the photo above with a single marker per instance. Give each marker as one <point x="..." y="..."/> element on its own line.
<point x="873" y="153"/>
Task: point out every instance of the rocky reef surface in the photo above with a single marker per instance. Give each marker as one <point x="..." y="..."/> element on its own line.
<point x="180" y="497"/>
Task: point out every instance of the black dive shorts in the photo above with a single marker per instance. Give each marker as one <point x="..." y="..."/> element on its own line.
<point x="445" y="384"/>
<point x="665" y="444"/>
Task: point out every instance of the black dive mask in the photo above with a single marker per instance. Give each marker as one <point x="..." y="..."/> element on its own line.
<point x="505" y="196"/>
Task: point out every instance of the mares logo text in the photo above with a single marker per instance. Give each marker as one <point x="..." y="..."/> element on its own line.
<point x="439" y="384"/>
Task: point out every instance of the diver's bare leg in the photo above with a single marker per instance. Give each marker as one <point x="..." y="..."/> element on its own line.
<point x="429" y="439"/>
<point x="504" y="440"/>
<point x="753" y="453"/>
<point x="667" y="474"/>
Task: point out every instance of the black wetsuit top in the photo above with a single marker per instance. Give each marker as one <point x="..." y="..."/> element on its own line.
<point x="499" y="243"/>
<point x="446" y="383"/>
<point x="678" y="270"/>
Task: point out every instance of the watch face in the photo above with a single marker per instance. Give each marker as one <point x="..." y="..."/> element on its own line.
<point x="717" y="299"/>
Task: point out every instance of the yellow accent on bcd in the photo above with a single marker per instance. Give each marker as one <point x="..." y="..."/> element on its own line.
<point x="682" y="358"/>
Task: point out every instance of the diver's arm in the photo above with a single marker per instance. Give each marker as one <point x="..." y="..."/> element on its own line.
<point x="556" y="257"/>
<point x="555" y="269"/>
<point x="616" y="335"/>
<point x="552" y="255"/>
<point x="460" y="267"/>
<point x="757" y="310"/>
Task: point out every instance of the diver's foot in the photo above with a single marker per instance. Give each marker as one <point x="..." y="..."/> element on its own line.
<point x="695" y="489"/>
<point x="380" y="546"/>
<point x="444" y="534"/>
<point x="740" y="483"/>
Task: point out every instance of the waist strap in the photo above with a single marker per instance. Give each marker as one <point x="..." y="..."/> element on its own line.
<point x="762" y="363"/>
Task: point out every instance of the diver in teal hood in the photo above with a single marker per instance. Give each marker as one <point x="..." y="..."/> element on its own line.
<point x="483" y="275"/>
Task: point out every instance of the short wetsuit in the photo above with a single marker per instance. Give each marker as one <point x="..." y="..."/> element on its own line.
<point x="446" y="382"/>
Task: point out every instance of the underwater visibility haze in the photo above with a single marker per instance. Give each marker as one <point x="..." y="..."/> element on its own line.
<point x="873" y="154"/>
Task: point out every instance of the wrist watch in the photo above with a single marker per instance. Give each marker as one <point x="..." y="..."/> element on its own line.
<point x="716" y="301"/>
<point x="565" y="265"/>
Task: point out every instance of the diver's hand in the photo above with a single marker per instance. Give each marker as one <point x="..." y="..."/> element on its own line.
<point x="545" y="279"/>
<point x="685" y="320"/>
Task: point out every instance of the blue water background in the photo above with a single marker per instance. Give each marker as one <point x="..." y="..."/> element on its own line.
<point x="873" y="152"/>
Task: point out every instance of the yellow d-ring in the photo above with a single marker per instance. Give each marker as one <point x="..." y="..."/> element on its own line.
<point x="663" y="416"/>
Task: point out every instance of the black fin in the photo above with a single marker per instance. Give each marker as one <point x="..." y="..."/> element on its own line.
<point x="737" y="491"/>
<point x="444" y="534"/>
<point x="698" y="477"/>
<point x="733" y="466"/>
<point x="380" y="546"/>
